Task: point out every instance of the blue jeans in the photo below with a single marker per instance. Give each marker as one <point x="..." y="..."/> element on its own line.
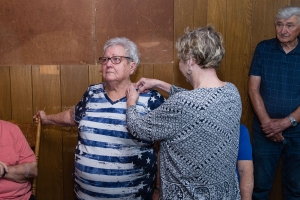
<point x="266" y="156"/>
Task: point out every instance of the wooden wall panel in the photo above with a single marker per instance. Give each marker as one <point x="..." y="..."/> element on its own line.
<point x="21" y="88"/>
<point x="148" y="23"/>
<point x="147" y="70"/>
<point x="183" y="18"/>
<point x="293" y="3"/>
<point x="200" y="13"/>
<point x="47" y="32"/>
<point x="138" y="74"/>
<point x="74" y="82"/>
<point x="163" y="72"/>
<point x="5" y="94"/>
<point x="95" y="74"/>
<point x="47" y="96"/>
<point x="239" y="18"/>
<point x="217" y="16"/>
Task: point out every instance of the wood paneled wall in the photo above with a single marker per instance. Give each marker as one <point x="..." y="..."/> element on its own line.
<point x="49" y="51"/>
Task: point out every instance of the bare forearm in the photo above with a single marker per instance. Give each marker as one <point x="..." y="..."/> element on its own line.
<point x="246" y="186"/>
<point x="256" y="99"/>
<point x="259" y="106"/>
<point x="21" y="173"/>
<point x="245" y="169"/>
<point x="65" y="118"/>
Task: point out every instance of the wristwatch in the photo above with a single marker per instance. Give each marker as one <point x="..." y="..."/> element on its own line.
<point x="293" y="121"/>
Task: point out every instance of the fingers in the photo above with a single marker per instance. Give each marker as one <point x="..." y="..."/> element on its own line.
<point x="41" y="114"/>
<point x="3" y="168"/>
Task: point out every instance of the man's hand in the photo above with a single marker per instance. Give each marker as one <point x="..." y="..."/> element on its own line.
<point x="277" y="138"/>
<point x="273" y="129"/>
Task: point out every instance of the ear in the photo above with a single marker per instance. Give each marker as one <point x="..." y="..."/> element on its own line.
<point x="132" y="67"/>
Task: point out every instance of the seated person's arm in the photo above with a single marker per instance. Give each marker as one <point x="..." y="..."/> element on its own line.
<point x="22" y="172"/>
<point x="245" y="170"/>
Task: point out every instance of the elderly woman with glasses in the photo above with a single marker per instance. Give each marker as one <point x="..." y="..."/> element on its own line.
<point x="109" y="162"/>
<point x="198" y="129"/>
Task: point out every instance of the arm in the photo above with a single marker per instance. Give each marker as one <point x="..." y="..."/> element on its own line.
<point x="65" y="118"/>
<point x="145" y="84"/>
<point x="245" y="170"/>
<point x="256" y="99"/>
<point x="22" y="172"/>
<point x="261" y="112"/>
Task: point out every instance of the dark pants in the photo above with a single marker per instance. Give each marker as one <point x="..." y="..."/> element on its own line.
<point x="266" y="157"/>
<point x="32" y="197"/>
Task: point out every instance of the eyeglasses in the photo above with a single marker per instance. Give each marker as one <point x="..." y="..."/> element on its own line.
<point x="113" y="59"/>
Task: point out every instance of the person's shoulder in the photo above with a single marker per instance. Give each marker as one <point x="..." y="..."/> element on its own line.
<point x="96" y="88"/>
<point x="7" y="124"/>
<point x="243" y="129"/>
<point x="267" y="43"/>
<point x="230" y="86"/>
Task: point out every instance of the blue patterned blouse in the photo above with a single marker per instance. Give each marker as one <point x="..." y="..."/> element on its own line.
<point x="109" y="162"/>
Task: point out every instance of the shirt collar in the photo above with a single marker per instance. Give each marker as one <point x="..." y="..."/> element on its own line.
<point x="276" y="45"/>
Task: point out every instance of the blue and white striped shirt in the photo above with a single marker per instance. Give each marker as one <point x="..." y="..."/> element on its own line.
<point x="109" y="162"/>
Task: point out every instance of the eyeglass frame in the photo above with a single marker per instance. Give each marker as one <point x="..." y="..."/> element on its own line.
<point x="110" y="59"/>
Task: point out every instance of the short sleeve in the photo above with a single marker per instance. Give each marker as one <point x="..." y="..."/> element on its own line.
<point x="155" y="100"/>
<point x="26" y="155"/>
<point x="245" y="148"/>
<point x="80" y="108"/>
<point x="255" y="68"/>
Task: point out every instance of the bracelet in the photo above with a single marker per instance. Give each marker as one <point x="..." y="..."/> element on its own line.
<point x="3" y="174"/>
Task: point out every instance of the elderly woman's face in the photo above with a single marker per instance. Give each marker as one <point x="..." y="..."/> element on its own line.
<point x="117" y="72"/>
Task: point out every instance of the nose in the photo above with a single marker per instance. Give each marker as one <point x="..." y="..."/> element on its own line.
<point x="283" y="29"/>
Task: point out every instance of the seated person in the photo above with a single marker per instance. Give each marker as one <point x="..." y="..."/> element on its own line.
<point x="17" y="163"/>
<point x="245" y="164"/>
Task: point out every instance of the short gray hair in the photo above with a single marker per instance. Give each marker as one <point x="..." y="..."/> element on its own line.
<point x="287" y="12"/>
<point x="130" y="47"/>
<point x="202" y="44"/>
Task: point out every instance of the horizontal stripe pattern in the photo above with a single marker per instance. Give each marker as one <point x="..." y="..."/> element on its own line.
<point x="109" y="162"/>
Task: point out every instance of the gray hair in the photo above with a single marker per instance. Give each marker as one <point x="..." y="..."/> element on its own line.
<point x="202" y="44"/>
<point x="287" y="12"/>
<point x="130" y="47"/>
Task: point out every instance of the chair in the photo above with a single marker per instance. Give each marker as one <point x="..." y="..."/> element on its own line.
<point x="32" y="134"/>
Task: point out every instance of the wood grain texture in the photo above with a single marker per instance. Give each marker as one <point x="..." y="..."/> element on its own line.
<point x="70" y="139"/>
<point x="74" y="83"/>
<point x="5" y="94"/>
<point x="21" y="88"/>
<point x="183" y="18"/>
<point x="48" y="32"/>
<point x="95" y="74"/>
<point x="238" y="42"/>
<point x="217" y="16"/>
<point x="164" y="72"/>
<point x="147" y="23"/>
<point x="47" y="96"/>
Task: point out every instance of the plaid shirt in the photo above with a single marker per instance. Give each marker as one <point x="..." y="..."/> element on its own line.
<point x="280" y="80"/>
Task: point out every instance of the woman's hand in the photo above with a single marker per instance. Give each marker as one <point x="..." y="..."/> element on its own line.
<point x="132" y="95"/>
<point x="144" y="84"/>
<point x="42" y="115"/>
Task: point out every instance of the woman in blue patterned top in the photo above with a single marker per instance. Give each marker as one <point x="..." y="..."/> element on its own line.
<point x="198" y="129"/>
<point x="109" y="162"/>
